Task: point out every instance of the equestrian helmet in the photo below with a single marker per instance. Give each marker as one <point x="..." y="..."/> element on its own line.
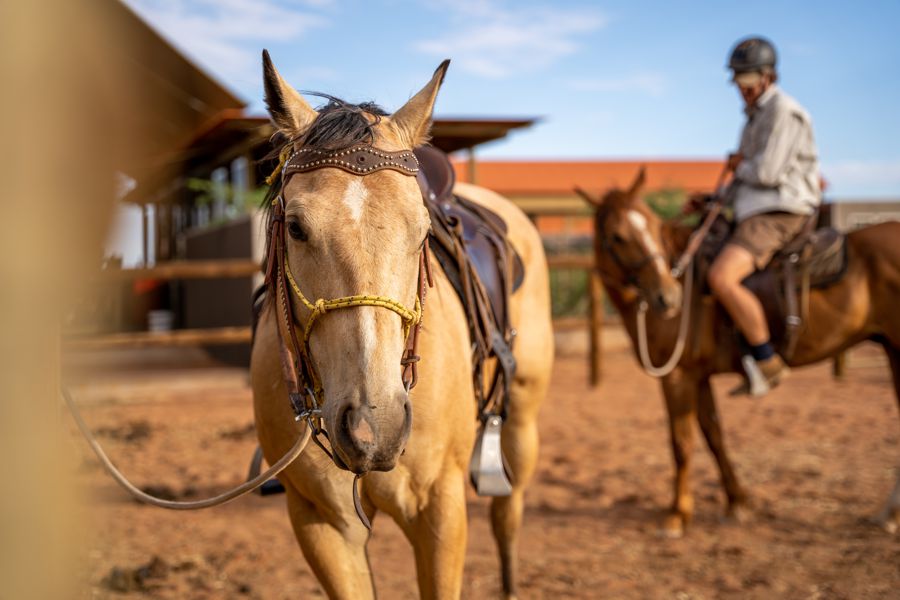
<point x="752" y="54"/>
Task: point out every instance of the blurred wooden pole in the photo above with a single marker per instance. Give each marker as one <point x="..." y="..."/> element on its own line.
<point x="62" y="114"/>
<point x="596" y="326"/>
<point x="839" y="366"/>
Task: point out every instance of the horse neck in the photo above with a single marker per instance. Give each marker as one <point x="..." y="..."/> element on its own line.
<point x="675" y="237"/>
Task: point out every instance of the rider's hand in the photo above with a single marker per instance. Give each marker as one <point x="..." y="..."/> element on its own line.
<point x="734" y="160"/>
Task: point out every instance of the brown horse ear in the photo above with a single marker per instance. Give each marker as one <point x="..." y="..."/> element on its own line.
<point x="594" y="201"/>
<point x="290" y="112"/>
<point x="413" y="120"/>
<point x="638" y="184"/>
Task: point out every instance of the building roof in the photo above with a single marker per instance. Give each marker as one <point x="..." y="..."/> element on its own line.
<point x="231" y="127"/>
<point x="231" y="133"/>
<point x="182" y="95"/>
<point x="558" y="178"/>
<point x="453" y="134"/>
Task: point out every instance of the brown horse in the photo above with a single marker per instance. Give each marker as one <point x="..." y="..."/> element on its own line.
<point x="350" y="234"/>
<point x="634" y="250"/>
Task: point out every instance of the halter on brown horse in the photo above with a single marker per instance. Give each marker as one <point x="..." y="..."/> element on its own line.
<point x="634" y="252"/>
<point x="339" y="335"/>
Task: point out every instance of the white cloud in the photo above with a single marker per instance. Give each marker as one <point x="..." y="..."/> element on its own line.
<point x="650" y="83"/>
<point x="492" y="40"/>
<point x="225" y="36"/>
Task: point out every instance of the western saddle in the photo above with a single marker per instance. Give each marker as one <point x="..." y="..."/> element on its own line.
<point x="470" y="243"/>
<point x="815" y="258"/>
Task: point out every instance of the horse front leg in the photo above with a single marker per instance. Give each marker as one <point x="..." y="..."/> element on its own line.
<point x="520" y="448"/>
<point x="334" y="544"/>
<point x="438" y="536"/>
<point x="681" y="394"/>
<point x="708" y="417"/>
<point x="889" y="517"/>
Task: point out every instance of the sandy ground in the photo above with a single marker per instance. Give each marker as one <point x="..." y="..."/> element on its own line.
<point x="818" y="456"/>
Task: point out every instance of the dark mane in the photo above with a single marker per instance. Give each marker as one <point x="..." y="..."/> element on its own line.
<point x="339" y="125"/>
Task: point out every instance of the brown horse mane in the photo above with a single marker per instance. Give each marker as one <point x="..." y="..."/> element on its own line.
<point x="675" y="235"/>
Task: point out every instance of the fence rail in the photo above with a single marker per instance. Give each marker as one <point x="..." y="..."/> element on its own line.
<point x="186" y="269"/>
<point x="233" y="268"/>
<point x="151" y="339"/>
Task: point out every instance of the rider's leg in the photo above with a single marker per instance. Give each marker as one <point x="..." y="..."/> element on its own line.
<point x="731" y="267"/>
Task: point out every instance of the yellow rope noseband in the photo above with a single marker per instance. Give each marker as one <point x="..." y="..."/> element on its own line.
<point x="322" y="306"/>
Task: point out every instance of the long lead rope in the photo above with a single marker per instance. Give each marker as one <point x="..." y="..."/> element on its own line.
<point x="670" y="364"/>
<point x="232" y="494"/>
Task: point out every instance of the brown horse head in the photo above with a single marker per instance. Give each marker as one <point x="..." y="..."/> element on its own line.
<point x="351" y="234"/>
<point x="629" y="247"/>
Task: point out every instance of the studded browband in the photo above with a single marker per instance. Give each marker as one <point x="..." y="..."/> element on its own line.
<point x="359" y="160"/>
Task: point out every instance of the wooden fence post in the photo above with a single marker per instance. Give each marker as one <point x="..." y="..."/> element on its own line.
<point x="596" y="325"/>
<point x="839" y="366"/>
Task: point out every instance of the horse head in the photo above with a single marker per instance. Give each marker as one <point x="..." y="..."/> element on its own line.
<point x="352" y="234"/>
<point x="630" y="250"/>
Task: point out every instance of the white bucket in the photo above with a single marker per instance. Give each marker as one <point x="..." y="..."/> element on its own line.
<point x="160" y="320"/>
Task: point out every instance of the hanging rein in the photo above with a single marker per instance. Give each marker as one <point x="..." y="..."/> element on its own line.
<point x="631" y="272"/>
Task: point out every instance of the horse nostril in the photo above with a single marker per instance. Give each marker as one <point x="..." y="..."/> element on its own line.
<point x="357" y="428"/>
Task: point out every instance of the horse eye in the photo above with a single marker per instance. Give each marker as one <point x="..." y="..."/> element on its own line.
<point x="296" y="232"/>
<point x="618" y="239"/>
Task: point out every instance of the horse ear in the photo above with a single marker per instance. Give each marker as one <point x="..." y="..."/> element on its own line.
<point x="290" y="112"/>
<point x="594" y="201"/>
<point x="638" y="184"/>
<point x="413" y="119"/>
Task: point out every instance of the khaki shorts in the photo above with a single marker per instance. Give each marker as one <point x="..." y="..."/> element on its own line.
<point x="765" y="234"/>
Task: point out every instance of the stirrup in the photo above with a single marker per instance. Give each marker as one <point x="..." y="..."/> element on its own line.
<point x="757" y="382"/>
<point x="487" y="469"/>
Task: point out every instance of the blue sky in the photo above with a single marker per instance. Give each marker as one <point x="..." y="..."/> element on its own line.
<point x="610" y="79"/>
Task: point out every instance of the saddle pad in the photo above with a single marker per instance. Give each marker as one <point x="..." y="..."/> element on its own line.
<point x="828" y="261"/>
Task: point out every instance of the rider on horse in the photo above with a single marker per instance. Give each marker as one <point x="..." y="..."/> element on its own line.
<point x="776" y="187"/>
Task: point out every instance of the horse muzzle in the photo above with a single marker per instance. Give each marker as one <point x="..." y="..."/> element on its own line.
<point x="371" y="436"/>
<point x="666" y="301"/>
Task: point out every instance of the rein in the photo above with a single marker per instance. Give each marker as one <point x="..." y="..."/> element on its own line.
<point x="678" y="351"/>
<point x="682" y="267"/>
<point x="631" y="272"/>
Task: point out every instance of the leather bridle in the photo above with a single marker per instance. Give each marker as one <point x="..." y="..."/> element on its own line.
<point x="304" y="386"/>
<point x="630" y="271"/>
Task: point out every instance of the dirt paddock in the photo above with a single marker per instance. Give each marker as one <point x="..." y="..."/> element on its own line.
<point x="818" y="457"/>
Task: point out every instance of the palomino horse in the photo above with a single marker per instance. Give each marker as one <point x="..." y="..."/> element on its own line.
<point x="634" y="251"/>
<point x="351" y="233"/>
